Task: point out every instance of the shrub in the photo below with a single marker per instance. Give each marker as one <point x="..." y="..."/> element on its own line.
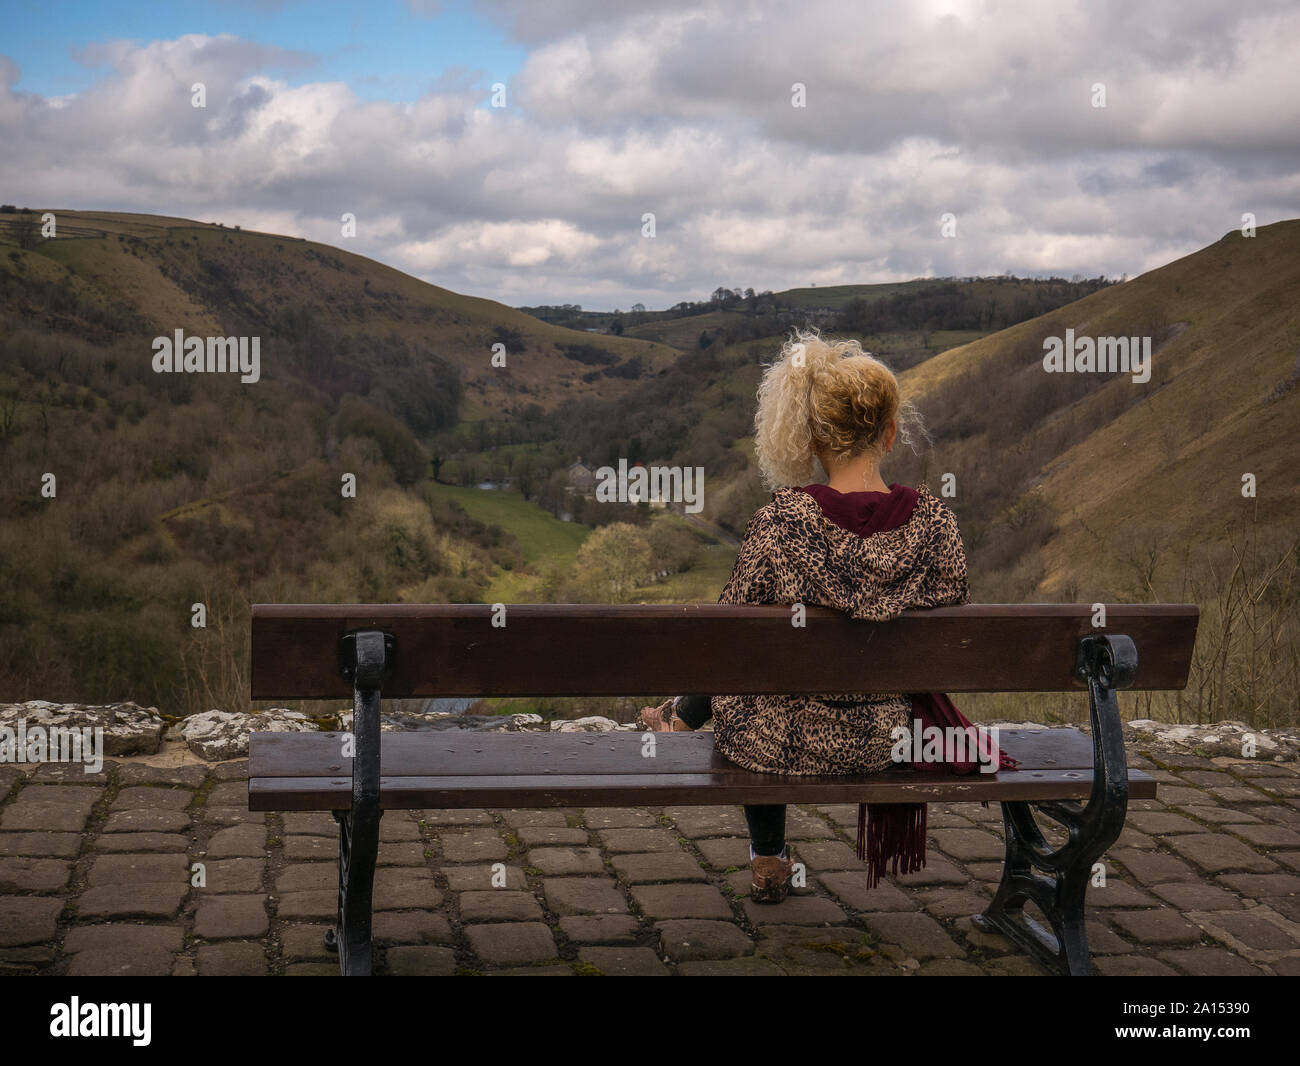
<point x="612" y="562"/>
<point x="401" y="451"/>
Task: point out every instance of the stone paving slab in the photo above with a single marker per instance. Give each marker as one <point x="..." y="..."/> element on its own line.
<point x="157" y="869"/>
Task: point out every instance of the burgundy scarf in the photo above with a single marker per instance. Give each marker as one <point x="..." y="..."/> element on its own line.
<point x="892" y="835"/>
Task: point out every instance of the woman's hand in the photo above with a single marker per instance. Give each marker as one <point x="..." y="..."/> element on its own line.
<point x="663" y="719"/>
<point x="656" y="719"/>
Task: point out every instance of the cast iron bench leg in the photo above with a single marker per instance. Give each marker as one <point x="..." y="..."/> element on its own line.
<point x="1053" y="878"/>
<point x="366" y="659"/>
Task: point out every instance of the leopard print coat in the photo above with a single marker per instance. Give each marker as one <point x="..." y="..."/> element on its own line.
<point x="793" y="553"/>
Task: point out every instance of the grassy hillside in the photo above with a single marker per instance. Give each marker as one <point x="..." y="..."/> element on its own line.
<point x="684" y="333"/>
<point x="148" y="275"/>
<point x="1114" y="460"/>
<point x="837" y="296"/>
<point x="547" y="545"/>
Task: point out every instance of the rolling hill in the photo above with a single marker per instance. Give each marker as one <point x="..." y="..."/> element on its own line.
<point x="1124" y="459"/>
<point x="151" y="274"/>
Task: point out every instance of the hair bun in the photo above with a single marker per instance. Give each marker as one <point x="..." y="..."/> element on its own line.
<point x="822" y="397"/>
<point x="811" y="360"/>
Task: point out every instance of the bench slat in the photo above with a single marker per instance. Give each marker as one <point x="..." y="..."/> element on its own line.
<point x="597" y="650"/>
<point x="619" y="790"/>
<point x="431" y="754"/>
<point x="297" y="772"/>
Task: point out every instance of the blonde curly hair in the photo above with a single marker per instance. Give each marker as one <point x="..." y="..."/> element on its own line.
<point x="829" y="397"/>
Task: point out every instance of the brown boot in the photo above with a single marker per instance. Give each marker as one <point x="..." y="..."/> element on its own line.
<point x="771" y="877"/>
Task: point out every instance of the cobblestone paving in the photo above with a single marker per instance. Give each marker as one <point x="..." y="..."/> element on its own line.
<point x="96" y="877"/>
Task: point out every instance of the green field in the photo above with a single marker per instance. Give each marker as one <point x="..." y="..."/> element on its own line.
<point x="544" y="540"/>
<point x="541" y="536"/>
<point x="700" y="584"/>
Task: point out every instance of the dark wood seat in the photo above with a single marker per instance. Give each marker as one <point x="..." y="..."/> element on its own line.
<point x="431" y="771"/>
<point x="1080" y="782"/>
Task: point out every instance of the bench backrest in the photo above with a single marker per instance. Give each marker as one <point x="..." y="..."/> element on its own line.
<point x="707" y="649"/>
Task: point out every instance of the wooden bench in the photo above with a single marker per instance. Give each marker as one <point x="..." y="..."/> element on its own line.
<point x="405" y="651"/>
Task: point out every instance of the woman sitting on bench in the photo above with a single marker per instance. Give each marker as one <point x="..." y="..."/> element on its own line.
<point x="856" y="545"/>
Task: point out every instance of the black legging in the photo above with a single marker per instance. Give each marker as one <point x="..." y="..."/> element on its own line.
<point x="766" y="820"/>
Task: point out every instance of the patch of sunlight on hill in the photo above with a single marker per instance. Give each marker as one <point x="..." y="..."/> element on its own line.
<point x="111" y="268"/>
<point x="513" y="586"/>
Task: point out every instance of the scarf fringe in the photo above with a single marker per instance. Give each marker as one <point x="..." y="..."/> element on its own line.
<point x="891" y="835"/>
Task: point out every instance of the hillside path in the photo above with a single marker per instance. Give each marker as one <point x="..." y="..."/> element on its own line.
<point x="716" y="532"/>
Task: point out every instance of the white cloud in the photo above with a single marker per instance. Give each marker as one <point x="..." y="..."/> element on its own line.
<point x="683" y="110"/>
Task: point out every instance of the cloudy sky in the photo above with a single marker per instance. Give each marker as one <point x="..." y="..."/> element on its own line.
<point x="686" y="111"/>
